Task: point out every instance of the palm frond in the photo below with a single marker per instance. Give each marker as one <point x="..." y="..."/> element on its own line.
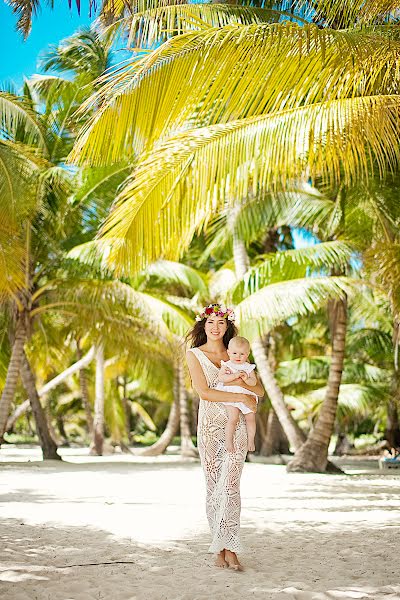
<point x="25" y="11"/>
<point x="160" y="311"/>
<point x="227" y="162"/>
<point x="353" y="399"/>
<point x="277" y="302"/>
<point x="185" y="278"/>
<point x="292" y="264"/>
<point x="348" y="13"/>
<point x="300" y="206"/>
<point x="20" y="123"/>
<point x="302" y="370"/>
<point x="386" y="265"/>
<point x="19" y="171"/>
<point x="372" y="343"/>
<point x="229" y="73"/>
<point x="138" y="409"/>
<point x="365" y="373"/>
<point x="12" y="259"/>
<point x="93" y="254"/>
<point x="84" y="52"/>
<point x="149" y="27"/>
<point x="221" y="282"/>
<point x="372" y="308"/>
<point x="51" y="89"/>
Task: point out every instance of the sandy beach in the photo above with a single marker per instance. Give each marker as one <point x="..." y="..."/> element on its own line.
<point x="128" y="528"/>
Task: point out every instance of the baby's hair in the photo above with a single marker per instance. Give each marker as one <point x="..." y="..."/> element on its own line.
<point x="239" y="341"/>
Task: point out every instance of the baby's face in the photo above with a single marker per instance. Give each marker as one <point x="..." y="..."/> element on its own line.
<point x="238" y="353"/>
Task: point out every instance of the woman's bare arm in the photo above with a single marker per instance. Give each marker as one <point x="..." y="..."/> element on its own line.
<point x="199" y="383"/>
<point x="258" y="389"/>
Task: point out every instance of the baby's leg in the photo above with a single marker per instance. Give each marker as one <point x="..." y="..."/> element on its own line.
<point x="251" y="430"/>
<point x="233" y="416"/>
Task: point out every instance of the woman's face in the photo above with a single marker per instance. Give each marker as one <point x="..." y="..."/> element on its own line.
<point x="215" y="328"/>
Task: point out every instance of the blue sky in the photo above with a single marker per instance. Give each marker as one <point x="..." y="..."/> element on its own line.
<point x="50" y="27"/>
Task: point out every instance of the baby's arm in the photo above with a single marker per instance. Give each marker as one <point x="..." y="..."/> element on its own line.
<point x="249" y="378"/>
<point x="225" y="375"/>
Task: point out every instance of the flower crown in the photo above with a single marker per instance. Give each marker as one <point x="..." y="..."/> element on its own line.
<point x="218" y="310"/>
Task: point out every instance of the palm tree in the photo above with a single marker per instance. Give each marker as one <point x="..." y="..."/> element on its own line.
<point x="235" y="102"/>
<point x="40" y="222"/>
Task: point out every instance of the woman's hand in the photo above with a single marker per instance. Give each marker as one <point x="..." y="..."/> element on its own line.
<point x="249" y="401"/>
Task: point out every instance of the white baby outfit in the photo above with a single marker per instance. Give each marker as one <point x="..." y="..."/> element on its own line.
<point x="223" y="387"/>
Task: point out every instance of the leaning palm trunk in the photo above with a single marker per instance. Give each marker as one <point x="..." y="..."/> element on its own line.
<point x="98" y="424"/>
<point x="313" y="454"/>
<point x="289" y="425"/>
<point x="50" y="385"/>
<point x="85" y="392"/>
<point x="293" y="432"/>
<point x="167" y="436"/>
<point x="13" y="371"/>
<point x="48" y="445"/>
<point x="187" y="447"/>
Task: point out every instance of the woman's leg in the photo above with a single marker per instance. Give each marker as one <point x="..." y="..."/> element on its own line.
<point x="251" y="430"/>
<point x="232" y="561"/>
<point x="233" y="417"/>
<point x="220" y="560"/>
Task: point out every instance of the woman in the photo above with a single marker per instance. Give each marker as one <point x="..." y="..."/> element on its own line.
<point x="209" y="340"/>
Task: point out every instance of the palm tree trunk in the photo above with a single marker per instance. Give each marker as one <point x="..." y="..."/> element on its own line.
<point x="275" y="441"/>
<point x="313" y="454"/>
<point x="167" y="436"/>
<point x="50" y="385"/>
<point x="392" y="432"/>
<point x="187" y="447"/>
<point x="85" y="392"/>
<point x="48" y="445"/>
<point x="13" y="371"/>
<point x="293" y="432"/>
<point x="121" y="383"/>
<point x="98" y="424"/>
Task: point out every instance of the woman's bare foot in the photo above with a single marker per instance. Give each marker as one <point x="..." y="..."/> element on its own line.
<point x="220" y="560"/>
<point x="233" y="561"/>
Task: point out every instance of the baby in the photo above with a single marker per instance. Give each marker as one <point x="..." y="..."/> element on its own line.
<point x="237" y="366"/>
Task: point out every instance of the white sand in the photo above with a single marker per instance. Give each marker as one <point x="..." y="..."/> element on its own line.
<point x="124" y="528"/>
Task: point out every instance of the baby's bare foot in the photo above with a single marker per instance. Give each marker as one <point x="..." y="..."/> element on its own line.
<point x="220" y="560"/>
<point x="230" y="447"/>
<point x="251" y="447"/>
<point x="233" y="561"/>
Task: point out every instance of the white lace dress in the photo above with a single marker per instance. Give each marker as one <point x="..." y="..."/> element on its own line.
<point x="222" y="469"/>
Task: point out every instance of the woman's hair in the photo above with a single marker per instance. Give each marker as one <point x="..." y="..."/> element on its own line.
<point x="197" y="335"/>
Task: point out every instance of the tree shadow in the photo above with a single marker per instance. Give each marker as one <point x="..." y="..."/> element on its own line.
<point x="55" y="550"/>
<point x="300" y="563"/>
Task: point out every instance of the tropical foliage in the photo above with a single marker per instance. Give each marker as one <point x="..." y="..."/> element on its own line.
<point x="134" y="193"/>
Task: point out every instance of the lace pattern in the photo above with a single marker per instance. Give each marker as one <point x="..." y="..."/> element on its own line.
<point x="222" y="469"/>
